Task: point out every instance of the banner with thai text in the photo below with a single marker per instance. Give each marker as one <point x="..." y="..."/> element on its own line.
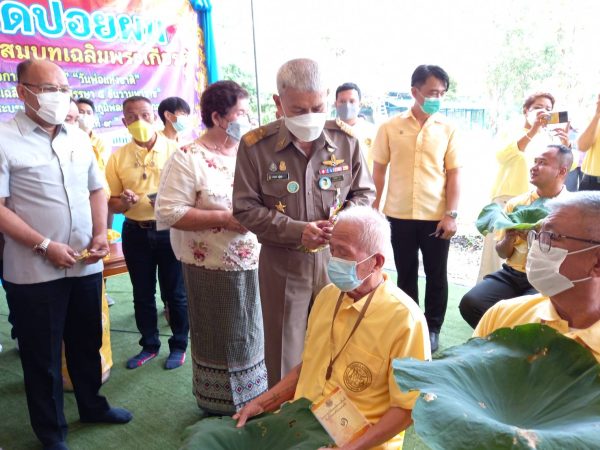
<point x="109" y="49"/>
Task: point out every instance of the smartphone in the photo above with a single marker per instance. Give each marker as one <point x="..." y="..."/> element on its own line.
<point x="558" y="117"/>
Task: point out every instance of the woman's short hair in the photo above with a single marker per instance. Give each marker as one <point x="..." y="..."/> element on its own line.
<point x="220" y="97"/>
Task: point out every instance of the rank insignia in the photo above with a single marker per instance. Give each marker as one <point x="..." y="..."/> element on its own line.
<point x="332" y="162"/>
<point x="272" y="167"/>
<point x="280" y="207"/>
<point x="330" y="149"/>
<point x="282" y="166"/>
<point x="293" y="187"/>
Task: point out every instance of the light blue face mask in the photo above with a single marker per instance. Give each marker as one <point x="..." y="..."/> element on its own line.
<point x="182" y="123"/>
<point x="237" y="129"/>
<point x="342" y="273"/>
<point x="431" y="105"/>
<point x="347" y="111"/>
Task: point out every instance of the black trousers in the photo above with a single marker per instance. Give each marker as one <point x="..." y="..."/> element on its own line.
<point x="11" y="320"/>
<point x="46" y="314"/>
<point x="408" y="237"/>
<point x="589" y="183"/>
<point x="503" y="284"/>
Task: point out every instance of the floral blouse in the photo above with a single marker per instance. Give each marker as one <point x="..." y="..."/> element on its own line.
<point x="198" y="178"/>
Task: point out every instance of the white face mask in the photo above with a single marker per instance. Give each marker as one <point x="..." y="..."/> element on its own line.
<point x="86" y="122"/>
<point x="543" y="269"/>
<point x="54" y="106"/>
<point x="306" y="127"/>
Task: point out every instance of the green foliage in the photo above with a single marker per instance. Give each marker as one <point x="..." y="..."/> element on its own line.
<point x="293" y="427"/>
<point x="524" y="217"/>
<point x="248" y="81"/>
<point x="520" y="388"/>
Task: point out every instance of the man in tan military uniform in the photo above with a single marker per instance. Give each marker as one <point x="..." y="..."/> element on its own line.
<point x="288" y="185"/>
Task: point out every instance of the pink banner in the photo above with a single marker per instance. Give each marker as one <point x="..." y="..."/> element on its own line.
<point x="110" y="50"/>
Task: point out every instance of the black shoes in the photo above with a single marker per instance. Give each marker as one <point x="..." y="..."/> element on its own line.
<point x="434" y="338"/>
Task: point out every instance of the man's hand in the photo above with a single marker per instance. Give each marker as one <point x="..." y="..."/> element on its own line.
<point x="512" y="235"/>
<point x="316" y="234"/>
<point x="446" y="228"/>
<point x="233" y="225"/>
<point x="254" y="408"/>
<point x="128" y="198"/>
<point x="61" y="255"/>
<point x="98" y="249"/>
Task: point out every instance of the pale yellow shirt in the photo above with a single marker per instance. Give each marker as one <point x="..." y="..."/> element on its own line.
<point x="419" y="158"/>
<point x="512" y="178"/>
<point x="536" y="309"/>
<point x="393" y="327"/>
<point x="99" y="147"/>
<point x="591" y="161"/>
<point x="125" y="170"/>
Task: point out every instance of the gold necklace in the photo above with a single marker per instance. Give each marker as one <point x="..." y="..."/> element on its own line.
<point x="143" y="165"/>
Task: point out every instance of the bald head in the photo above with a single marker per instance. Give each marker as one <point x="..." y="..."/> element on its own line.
<point x="38" y="71"/>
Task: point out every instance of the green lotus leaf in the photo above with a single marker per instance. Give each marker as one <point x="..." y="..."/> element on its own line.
<point x="293" y="427"/>
<point x="521" y="388"/>
<point x="524" y="217"/>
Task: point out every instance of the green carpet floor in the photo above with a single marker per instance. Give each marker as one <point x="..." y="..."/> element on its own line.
<point x="161" y="401"/>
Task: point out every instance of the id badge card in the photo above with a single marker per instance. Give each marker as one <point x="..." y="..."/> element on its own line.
<point x="340" y="417"/>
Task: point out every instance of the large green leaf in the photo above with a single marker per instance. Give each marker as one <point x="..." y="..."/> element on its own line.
<point x="525" y="387"/>
<point x="524" y="217"/>
<point x="293" y="427"/>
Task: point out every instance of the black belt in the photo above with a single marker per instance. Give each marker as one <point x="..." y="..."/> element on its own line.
<point x="591" y="178"/>
<point x="146" y="224"/>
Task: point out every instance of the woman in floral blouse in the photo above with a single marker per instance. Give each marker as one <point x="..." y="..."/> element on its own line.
<point x="219" y="256"/>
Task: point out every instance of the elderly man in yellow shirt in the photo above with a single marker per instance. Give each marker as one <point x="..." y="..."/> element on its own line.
<point x="548" y="175"/>
<point x="589" y="142"/>
<point x="133" y="174"/>
<point x="357" y="326"/>
<point x="564" y="266"/>
<point x="421" y="148"/>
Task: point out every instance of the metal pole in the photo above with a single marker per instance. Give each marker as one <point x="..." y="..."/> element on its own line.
<point x="255" y="64"/>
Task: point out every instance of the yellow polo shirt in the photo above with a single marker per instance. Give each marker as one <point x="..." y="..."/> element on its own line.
<point x="591" y="161"/>
<point x="100" y="149"/>
<point x="125" y="170"/>
<point x="393" y="327"/>
<point x="536" y="309"/>
<point x="419" y="158"/>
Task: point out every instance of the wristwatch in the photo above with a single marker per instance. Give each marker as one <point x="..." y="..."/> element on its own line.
<point x="452" y="213"/>
<point x="42" y="247"/>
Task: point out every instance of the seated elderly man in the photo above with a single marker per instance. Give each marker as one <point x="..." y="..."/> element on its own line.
<point x="564" y="266"/>
<point x="547" y="175"/>
<point x="357" y="326"/>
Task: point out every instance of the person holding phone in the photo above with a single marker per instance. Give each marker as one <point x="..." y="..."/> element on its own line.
<point x="589" y="142"/>
<point x="515" y="157"/>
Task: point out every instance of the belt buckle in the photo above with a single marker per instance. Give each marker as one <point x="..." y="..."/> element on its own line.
<point x="146" y="224"/>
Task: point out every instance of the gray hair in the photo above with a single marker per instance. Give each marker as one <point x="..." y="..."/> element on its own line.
<point x="587" y="205"/>
<point x="373" y="234"/>
<point x="302" y="74"/>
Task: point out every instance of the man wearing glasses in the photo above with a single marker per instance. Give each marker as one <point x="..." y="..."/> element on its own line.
<point x="52" y="213"/>
<point x="548" y="176"/>
<point x="564" y="266"/>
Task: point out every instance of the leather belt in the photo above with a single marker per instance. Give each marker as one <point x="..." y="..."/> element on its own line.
<point x="145" y="224"/>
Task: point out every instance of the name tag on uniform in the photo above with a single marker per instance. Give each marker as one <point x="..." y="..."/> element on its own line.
<point x="340" y="417"/>
<point x="337" y="178"/>
<point x="327" y="170"/>
<point x="278" y="176"/>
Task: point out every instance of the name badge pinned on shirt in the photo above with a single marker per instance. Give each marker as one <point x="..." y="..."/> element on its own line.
<point x="337" y="178"/>
<point x="293" y="187"/>
<point x="328" y="170"/>
<point x="278" y="176"/>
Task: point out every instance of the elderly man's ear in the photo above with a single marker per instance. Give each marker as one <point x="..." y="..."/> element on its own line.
<point x="379" y="261"/>
<point x="596" y="268"/>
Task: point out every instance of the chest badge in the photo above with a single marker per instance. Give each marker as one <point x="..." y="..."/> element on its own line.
<point x="293" y="187"/>
<point x="324" y="183"/>
<point x="282" y="166"/>
<point x="280" y="207"/>
<point x="272" y="167"/>
<point x="333" y="161"/>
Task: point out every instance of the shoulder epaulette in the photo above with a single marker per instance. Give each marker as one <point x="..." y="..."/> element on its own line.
<point x="339" y="124"/>
<point x="258" y="134"/>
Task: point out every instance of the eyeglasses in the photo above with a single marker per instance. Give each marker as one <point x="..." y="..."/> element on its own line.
<point x="43" y="88"/>
<point x="545" y="239"/>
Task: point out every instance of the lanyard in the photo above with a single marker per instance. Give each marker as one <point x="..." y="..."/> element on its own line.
<point x="332" y="358"/>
